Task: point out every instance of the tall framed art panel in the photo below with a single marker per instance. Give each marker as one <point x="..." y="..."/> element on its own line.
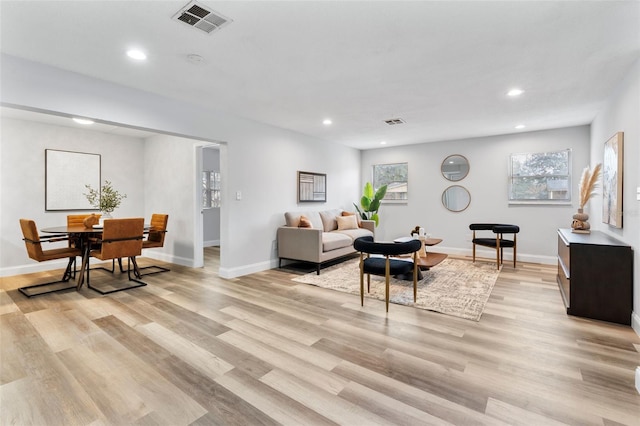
<point x="612" y="171"/>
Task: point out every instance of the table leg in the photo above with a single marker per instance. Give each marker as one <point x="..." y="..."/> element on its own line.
<point x="85" y="264"/>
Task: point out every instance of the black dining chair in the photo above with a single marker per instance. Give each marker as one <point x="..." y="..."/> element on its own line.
<point x="498" y="242"/>
<point x="385" y="265"/>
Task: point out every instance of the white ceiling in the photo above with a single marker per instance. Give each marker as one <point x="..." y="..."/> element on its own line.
<point x="442" y="66"/>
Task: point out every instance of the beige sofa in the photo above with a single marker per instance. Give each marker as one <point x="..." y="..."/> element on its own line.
<point x="323" y="241"/>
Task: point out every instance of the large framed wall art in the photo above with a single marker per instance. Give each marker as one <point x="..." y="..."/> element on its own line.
<point x="612" y="180"/>
<point x="66" y="174"/>
<point x="312" y="187"/>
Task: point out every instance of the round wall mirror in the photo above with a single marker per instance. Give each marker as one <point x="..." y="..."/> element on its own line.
<point x="456" y="198"/>
<point x="455" y="168"/>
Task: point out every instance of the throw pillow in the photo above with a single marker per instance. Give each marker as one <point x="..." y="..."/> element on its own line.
<point x="304" y="222"/>
<point x="347" y="222"/>
<point x="344" y="213"/>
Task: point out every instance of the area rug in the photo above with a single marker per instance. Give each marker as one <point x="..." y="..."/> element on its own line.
<point x="454" y="287"/>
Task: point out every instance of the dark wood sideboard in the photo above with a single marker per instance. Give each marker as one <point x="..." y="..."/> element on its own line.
<point x="595" y="276"/>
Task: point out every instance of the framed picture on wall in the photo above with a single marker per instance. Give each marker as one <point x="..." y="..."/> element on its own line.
<point x="612" y="180"/>
<point x="312" y="187"/>
<point x="66" y="174"/>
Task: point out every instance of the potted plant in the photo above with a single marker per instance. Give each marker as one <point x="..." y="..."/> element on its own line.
<point x="370" y="202"/>
<point x="107" y="199"/>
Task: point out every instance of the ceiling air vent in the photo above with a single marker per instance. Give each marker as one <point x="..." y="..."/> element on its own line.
<point x="199" y="16"/>
<point x="394" y="121"/>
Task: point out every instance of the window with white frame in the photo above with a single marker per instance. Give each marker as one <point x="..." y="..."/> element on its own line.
<point x="210" y="189"/>
<point x="540" y="177"/>
<point x="396" y="177"/>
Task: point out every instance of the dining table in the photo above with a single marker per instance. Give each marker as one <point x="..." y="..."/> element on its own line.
<point x="83" y="235"/>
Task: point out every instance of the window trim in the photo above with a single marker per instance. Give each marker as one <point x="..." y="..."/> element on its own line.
<point x="547" y="202"/>
<point x="373" y="181"/>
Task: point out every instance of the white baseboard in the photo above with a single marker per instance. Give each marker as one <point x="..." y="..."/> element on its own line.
<point x="635" y="322"/>
<point x="61" y="264"/>
<point x="35" y="267"/>
<point x="211" y="243"/>
<point x="183" y="261"/>
<point x="229" y="273"/>
<point x="491" y="254"/>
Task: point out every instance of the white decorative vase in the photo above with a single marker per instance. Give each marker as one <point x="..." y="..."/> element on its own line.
<point x="103" y="216"/>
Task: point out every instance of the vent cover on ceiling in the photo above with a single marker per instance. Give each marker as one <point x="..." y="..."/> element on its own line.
<point x="394" y="121"/>
<point x="199" y="16"/>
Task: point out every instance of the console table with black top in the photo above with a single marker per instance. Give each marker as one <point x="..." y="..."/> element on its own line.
<point x="595" y="276"/>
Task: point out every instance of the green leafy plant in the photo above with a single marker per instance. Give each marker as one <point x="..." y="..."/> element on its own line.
<point x="107" y="199"/>
<point x="370" y="202"/>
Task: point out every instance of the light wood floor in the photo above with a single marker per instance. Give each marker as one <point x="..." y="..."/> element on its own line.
<point x="191" y="348"/>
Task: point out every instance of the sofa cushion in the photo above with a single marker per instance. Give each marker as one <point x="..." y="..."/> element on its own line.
<point x="329" y="219"/>
<point x="335" y="240"/>
<point x="347" y="222"/>
<point x="355" y="233"/>
<point x="293" y="219"/>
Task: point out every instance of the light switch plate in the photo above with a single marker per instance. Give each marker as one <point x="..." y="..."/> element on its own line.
<point x="638" y="194"/>
<point x="238" y="195"/>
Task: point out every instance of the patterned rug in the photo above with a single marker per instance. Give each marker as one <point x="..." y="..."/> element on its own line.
<point x="454" y="287"/>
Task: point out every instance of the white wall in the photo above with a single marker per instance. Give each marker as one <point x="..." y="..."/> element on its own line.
<point x="22" y="148"/>
<point x="259" y="160"/>
<point x="622" y="114"/>
<point x="170" y="189"/>
<point x="488" y="184"/>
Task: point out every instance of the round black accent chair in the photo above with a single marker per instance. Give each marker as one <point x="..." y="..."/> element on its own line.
<point x="384" y="265"/>
<point x="498" y="241"/>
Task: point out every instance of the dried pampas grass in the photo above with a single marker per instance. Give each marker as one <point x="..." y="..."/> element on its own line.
<point x="588" y="183"/>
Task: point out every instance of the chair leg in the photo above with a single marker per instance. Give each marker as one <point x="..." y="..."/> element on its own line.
<point x="160" y="269"/>
<point x="361" y="286"/>
<point x="386" y="284"/>
<point x="473" y="237"/>
<point x="514" y="250"/>
<point x="136" y="273"/>
<point x="66" y="276"/>
<point x="415" y="282"/>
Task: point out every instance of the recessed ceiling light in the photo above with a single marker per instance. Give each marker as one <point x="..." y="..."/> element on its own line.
<point x="84" y="121"/>
<point x="383" y="142"/>
<point x="520" y="126"/>
<point x="327" y="122"/>
<point x="136" y="54"/>
<point x="515" y="92"/>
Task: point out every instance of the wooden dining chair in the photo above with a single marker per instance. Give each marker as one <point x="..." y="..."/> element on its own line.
<point x="385" y="265"/>
<point x="155" y="239"/>
<point x="33" y="243"/>
<point x="120" y="238"/>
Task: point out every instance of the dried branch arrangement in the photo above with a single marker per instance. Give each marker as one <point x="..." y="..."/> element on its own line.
<point x="588" y="183"/>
